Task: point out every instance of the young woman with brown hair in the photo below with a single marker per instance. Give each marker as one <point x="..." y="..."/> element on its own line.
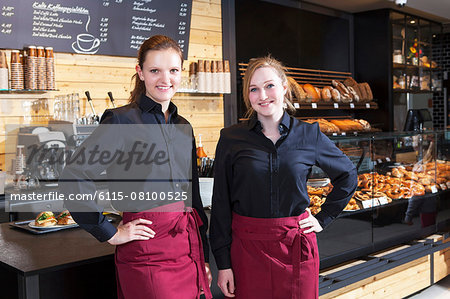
<point x="159" y="251"/>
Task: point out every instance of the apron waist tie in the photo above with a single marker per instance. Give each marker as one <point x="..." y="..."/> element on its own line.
<point x="189" y="221"/>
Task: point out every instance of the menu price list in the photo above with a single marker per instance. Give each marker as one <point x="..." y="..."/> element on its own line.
<point x="108" y="27"/>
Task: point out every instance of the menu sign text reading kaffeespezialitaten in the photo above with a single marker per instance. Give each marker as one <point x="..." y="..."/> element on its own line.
<point x="107" y="27"/>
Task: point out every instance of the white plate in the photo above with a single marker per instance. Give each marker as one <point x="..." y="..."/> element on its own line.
<point x="32" y="224"/>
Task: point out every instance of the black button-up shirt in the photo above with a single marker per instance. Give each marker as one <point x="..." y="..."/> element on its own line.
<point x="256" y="178"/>
<point x="111" y="137"/>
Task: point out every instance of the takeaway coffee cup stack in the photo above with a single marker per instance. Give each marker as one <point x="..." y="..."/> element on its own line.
<point x="4" y="74"/>
<point x="17" y="80"/>
<point x="201" y="76"/>
<point x="41" y="69"/>
<point x="212" y="76"/>
<point x="50" y="68"/>
<point x="226" y="77"/>
<point x="31" y="68"/>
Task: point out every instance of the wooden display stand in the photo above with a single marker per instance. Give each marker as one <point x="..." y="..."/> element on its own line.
<point x="397" y="282"/>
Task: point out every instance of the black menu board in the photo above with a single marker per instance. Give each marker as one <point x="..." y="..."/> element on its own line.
<point x="107" y="27"/>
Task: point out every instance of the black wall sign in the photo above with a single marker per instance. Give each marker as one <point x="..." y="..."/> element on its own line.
<point x="107" y="27"/>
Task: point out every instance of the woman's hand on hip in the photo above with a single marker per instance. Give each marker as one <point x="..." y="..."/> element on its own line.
<point x="133" y="230"/>
<point x="311" y="223"/>
<point x="225" y="281"/>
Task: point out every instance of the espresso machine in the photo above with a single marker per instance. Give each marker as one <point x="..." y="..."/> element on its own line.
<point x="45" y="152"/>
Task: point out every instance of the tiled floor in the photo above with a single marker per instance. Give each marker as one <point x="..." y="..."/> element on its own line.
<point x="439" y="290"/>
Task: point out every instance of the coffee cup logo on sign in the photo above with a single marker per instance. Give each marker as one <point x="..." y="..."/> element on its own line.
<point x="86" y="43"/>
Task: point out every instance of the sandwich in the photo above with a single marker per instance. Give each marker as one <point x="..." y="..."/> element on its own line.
<point x="45" y="219"/>
<point x="65" y="218"/>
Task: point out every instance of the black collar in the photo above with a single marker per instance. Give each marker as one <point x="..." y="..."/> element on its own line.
<point x="147" y="105"/>
<point x="255" y="124"/>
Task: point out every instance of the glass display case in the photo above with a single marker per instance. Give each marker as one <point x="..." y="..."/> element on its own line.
<point x="412" y="56"/>
<point x="403" y="193"/>
<point x="415" y="72"/>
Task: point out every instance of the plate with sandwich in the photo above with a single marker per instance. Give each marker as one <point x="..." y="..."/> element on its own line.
<point x="47" y="220"/>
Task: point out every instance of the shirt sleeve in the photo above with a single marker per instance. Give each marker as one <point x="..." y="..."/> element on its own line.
<point x="79" y="178"/>
<point x="198" y="205"/>
<point x="220" y="232"/>
<point x="342" y="173"/>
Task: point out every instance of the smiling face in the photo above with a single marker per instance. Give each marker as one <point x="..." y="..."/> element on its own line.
<point x="161" y="73"/>
<point x="266" y="93"/>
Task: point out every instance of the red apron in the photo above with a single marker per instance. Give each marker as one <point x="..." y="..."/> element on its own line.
<point x="171" y="265"/>
<point x="272" y="258"/>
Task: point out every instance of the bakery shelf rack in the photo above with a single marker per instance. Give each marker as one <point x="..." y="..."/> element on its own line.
<point x="319" y="78"/>
<point x="329" y="105"/>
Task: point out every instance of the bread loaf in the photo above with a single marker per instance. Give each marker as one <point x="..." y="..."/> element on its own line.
<point x="347" y="124"/>
<point x="297" y="90"/>
<point x="311" y="91"/>
<point x="326" y="93"/>
<point x="346" y="98"/>
<point x="353" y="94"/>
<point x="349" y="81"/>
<point x="362" y="90"/>
<point x="319" y="92"/>
<point x="335" y="95"/>
<point x="368" y="91"/>
<point x="340" y="87"/>
<point x="324" y="125"/>
<point x="353" y="85"/>
<point x="365" y="124"/>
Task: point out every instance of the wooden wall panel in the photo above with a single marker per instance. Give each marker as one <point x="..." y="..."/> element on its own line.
<point x="77" y="73"/>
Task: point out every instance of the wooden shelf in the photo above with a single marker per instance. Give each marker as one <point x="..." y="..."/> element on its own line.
<point x="337" y="106"/>
<point x="318" y="78"/>
<point x="25" y="91"/>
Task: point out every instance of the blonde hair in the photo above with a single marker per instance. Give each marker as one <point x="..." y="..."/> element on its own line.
<point x="277" y="66"/>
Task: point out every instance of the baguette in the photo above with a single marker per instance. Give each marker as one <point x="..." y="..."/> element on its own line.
<point x="365" y="124"/>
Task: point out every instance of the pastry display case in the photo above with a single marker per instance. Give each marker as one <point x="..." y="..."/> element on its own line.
<point x="403" y="193"/>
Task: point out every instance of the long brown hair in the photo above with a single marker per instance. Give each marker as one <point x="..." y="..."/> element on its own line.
<point x="277" y="66"/>
<point x="154" y="43"/>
